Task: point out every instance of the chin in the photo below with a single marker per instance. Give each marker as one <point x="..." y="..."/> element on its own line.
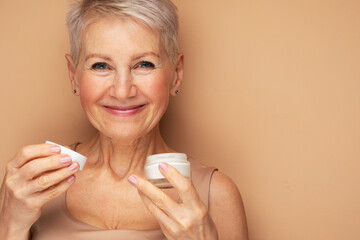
<point x="124" y="132"/>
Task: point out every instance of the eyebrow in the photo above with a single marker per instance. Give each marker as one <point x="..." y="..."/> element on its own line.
<point x="135" y="57"/>
<point x="98" y="55"/>
<point x="141" y="55"/>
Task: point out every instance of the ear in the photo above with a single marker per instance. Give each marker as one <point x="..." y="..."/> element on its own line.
<point x="179" y="75"/>
<point x="71" y="72"/>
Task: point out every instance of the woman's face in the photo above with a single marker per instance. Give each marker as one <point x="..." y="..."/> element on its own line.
<point x="124" y="77"/>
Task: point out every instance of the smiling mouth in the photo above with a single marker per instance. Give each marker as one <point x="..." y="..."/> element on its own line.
<point x="124" y="110"/>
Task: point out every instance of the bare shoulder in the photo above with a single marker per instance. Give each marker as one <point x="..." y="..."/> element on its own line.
<point x="223" y="188"/>
<point x="226" y="208"/>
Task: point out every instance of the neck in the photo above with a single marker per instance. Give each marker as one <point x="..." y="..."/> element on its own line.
<point x="121" y="157"/>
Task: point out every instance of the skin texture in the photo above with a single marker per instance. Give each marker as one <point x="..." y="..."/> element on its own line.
<point x="124" y="80"/>
<point x="34" y="176"/>
<point x="226" y="208"/>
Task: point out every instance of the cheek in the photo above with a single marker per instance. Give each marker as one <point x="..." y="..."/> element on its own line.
<point x="90" y="90"/>
<point x="158" y="89"/>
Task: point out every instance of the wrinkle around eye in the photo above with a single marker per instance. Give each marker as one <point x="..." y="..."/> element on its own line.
<point x="143" y="67"/>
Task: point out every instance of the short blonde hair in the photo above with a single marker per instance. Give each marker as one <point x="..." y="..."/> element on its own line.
<point x="159" y="15"/>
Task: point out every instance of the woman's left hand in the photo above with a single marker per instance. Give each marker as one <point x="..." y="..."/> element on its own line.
<point x="187" y="220"/>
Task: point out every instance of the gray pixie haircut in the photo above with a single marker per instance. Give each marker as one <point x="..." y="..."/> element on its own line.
<point x="159" y="15"/>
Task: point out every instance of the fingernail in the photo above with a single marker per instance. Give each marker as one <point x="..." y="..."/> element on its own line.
<point x="71" y="178"/>
<point x="73" y="166"/>
<point x="163" y="166"/>
<point x="65" y="160"/>
<point x="55" y="149"/>
<point x="133" y="180"/>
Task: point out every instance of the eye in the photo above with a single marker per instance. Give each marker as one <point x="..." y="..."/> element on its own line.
<point x="99" y="66"/>
<point x="146" y="64"/>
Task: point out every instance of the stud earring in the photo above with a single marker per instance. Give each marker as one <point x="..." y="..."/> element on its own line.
<point x="74" y="91"/>
<point x="176" y="91"/>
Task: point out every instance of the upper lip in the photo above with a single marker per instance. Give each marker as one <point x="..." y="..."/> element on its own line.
<point x="124" y="108"/>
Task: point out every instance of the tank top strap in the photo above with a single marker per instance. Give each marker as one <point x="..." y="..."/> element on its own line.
<point x="201" y="179"/>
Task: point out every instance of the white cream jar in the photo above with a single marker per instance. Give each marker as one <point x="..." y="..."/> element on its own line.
<point x="75" y="156"/>
<point x="177" y="160"/>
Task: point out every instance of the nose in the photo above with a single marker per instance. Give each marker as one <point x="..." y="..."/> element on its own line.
<point x="123" y="86"/>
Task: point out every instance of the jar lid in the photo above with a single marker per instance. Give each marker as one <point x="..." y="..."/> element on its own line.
<point x="164" y="157"/>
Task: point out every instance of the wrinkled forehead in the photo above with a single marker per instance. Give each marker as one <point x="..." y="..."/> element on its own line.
<point x="112" y="35"/>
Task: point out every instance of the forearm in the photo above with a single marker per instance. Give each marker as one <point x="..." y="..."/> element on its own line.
<point x="10" y="231"/>
<point x="12" y="234"/>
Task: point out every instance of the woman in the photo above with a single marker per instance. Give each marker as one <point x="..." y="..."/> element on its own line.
<point x="124" y="65"/>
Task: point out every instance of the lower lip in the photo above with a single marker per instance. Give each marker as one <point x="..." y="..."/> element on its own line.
<point x="124" y="113"/>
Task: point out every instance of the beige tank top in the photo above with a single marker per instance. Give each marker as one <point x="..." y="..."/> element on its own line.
<point x="56" y="223"/>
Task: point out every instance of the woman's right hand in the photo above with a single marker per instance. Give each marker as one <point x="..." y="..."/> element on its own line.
<point x="37" y="174"/>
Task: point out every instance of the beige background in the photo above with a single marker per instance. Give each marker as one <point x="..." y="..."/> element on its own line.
<point x="271" y="97"/>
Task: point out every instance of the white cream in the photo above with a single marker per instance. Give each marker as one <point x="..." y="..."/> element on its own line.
<point x="76" y="157"/>
<point x="177" y="160"/>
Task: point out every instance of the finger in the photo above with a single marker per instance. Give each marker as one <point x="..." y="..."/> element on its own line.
<point x="171" y="228"/>
<point x="166" y="222"/>
<point x="158" y="197"/>
<point x="30" y="152"/>
<point x="55" y="191"/>
<point x="182" y="184"/>
<point x="40" y="165"/>
<point x="50" y="179"/>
